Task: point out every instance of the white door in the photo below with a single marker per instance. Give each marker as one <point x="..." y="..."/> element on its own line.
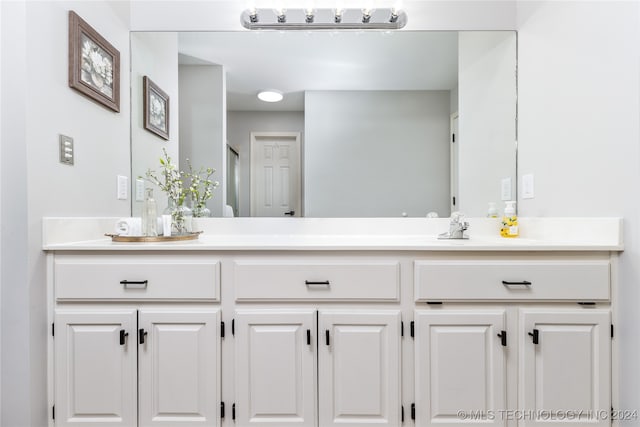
<point x="359" y="366"/>
<point x="565" y="367"/>
<point x="179" y="367"/>
<point x="460" y="366"/>
<point x="275" y="367"/>
<point x="275" y="174"/>
<point x="95" y="368"/>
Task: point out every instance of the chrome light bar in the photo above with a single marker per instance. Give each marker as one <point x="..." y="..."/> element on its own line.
<point x="324" y="19"/>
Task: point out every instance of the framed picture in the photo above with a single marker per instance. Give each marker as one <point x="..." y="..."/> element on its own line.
<point x="156" y="109"/>
<point x="94" y="64"/>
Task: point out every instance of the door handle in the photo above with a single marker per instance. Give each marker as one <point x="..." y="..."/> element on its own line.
<point x="123" y="336"/>
<point x="142" y="333"/>
<point x="290" y="213"/>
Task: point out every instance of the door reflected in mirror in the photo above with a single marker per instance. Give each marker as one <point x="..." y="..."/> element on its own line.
<point x="387" y="124"/>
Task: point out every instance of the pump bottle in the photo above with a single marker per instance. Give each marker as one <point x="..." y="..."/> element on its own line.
<point x="509" y="227"/>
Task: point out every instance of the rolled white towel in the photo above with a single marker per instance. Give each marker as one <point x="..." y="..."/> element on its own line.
<point x="129" y="227"/>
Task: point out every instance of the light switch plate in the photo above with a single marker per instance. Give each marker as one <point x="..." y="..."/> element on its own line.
<point x="527" y="186"/>
<point x="506" y="189"/>
<point x="66" y="149"/>
<point x="139" y="190"/>
<point x="122" y="187"/>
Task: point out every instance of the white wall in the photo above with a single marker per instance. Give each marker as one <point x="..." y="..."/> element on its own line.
<point x="579" y="117"/>
<point x="376" y="153"/>
<point x="203" y="124"/>
<point x="240" y="124"/>
<point x="154" y="55"/>
<point x="37" y="105"/>
<point x="487" y="118"/>
<point x="14" y="311"/>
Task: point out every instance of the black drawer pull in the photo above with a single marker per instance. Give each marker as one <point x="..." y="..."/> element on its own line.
<point x="308" y="336"/>
<point x="317" y="283"/>
<point x="522" y="283"/>
<point x="134" y="284"/>
<point x="535" y="336"/>
<point x="123" y="336"/>
<point x="142" y="333"/>
<point x="326" y="336"/>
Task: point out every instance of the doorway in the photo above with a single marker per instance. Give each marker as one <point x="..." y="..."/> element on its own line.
<point x="275" y="174"/>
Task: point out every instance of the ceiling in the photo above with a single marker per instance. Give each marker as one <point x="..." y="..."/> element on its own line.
<point x="298" y="61"/>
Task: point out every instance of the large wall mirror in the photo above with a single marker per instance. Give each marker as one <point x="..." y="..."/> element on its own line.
<point x="371" y="124"/>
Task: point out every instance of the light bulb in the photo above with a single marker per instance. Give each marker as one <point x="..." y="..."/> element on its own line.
<point x="270" y="95"/>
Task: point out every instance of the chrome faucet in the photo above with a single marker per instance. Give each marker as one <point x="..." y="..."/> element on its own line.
<point x="457" y="227"/>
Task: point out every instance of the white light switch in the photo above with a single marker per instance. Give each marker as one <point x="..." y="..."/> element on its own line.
<point x="506" y="189"/>
<point x="122" y="187"/>
<point x="139" y="190"/>
<point x="527" y="186"/>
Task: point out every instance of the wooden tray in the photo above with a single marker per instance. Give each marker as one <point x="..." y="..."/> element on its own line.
<point x="172" y="238"/>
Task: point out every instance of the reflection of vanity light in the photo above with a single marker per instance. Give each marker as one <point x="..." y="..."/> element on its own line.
<point x="270" y="95"/>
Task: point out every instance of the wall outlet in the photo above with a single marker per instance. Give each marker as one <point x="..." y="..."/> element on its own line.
<point x="123" y="184"/>
<point x="506" y="189"/>
<point x="527" y="186"/>
<point x="139" y="190"/>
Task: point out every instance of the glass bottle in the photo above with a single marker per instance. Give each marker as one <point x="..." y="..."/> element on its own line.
<point x="149" y="215"/>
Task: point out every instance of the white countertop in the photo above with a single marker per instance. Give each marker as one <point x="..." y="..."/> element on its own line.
<point x="364" y="234"/>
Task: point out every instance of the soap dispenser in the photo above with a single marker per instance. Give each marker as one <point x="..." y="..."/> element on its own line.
<point x="509" y="227"/>
<point x="149" y="215"/>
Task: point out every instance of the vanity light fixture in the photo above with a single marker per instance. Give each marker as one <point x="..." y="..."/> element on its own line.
<point x="310" y="18"/>
<point x="270" y="95"/>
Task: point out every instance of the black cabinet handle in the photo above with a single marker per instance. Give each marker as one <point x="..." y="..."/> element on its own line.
<point x="326" y="336"/>
<point x="308" y="336"/>
<point x="521" y="283"/>
<point x="317" y="283"/>
<point x="290" y="213"/>
<point x="503" y="338"/>
<point x="535" y="335"/>
<point x="141" y="334"/>
<point x="134" y="284"/>
<point x="123" y="336"/>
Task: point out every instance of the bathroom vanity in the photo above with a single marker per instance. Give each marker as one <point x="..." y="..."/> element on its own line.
<point x="324" y="322"/>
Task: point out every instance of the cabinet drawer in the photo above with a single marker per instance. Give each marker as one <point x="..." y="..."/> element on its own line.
<point x="317" y="280"/>
<point x="511" y="280"/>
<point x="133" y="277"/>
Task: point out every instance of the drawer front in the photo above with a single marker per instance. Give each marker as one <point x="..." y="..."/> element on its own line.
<point x="511" y="280"/>
<point x="134" y="277"/>
<point x="307" y="280"/>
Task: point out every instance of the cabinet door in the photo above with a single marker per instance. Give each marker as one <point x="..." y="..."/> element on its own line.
<point x="275" y="367"/>
<point x="95" y="367"/>
<point x="359" y="368"/>
<point x="460" y="366"/>
<point x="179" y="367"/>
<point x="565" y="377"/>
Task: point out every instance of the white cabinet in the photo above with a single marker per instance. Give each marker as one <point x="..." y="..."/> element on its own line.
<point x="275" y="367"/>
<point x="460" y="366"/>
<point x="95" y="367"/>
<point x="357" y="355"/>
<point x="565" y="366"/>
<point x="113" y="371"/>
<point x="359" y="368"/>
<point x="178" y="367"/>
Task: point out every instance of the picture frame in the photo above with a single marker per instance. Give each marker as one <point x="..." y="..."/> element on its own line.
<point x="156" y="108"/>
<point x="94" y="64"/>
